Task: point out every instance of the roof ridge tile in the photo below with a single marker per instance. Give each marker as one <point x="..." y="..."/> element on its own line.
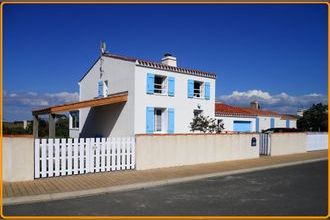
<point x="157" y="65"/>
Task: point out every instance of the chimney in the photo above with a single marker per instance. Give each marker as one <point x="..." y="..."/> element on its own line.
<point x="255" y="105"/>
<point x="169" y="60"/>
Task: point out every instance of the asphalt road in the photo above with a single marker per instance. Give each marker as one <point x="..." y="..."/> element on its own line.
<point x="292" y="190"/>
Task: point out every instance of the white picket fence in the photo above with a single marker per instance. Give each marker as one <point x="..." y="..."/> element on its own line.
<point x="61" y="157"/>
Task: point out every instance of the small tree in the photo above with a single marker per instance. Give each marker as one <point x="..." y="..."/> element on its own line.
<point x="205" y="124"/>
<point x="215" y="126"/>
<point x="314" y="119"/>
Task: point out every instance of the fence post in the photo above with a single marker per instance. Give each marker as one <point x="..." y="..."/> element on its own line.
<point x="270" y="144"/>
<point x="37" y="158"/>
<point x="57" y="157"/>
<point x="69" y="158"/>
<point x="81" y="155"/>
<point x="133" y="139"/>
<point x="43" y="157"/>
<point x="91" y="155"/>
<point x="87" y="149"/>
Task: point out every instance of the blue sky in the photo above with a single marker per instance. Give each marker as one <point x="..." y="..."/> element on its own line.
<point x="274" y="53"/>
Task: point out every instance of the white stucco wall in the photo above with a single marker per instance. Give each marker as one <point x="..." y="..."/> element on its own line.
<point x="156" y="151"/>
<point x="288" y="143"/>
<point x="264" y="122"/>
<point x="74" y="132"/>
<point x="317" y="141"/>
<point x="293" y="123"/>
<point x="183" y="106"/>
<point x="110" y="120"/>
<point x="229" y="122"/>
<point x="17" y="159"/>
<point x="279" y="123"/>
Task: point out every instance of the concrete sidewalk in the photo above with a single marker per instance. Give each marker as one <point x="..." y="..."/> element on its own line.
<point x="88" y="184"/>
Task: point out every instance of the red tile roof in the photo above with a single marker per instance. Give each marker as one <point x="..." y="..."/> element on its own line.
<point x="260" y="112"/>
<point x="290" y="117"/>
<point x="222" y="109"/>
<point x="228" y="110"/>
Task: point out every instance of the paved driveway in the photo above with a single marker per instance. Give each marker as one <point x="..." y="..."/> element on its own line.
<point x="292" y="190"/>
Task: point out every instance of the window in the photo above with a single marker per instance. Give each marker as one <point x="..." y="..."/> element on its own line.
<point x="158" y="119"/>
<point x="102" y="88"/>
<point x="74" y="119"/>
<point x="198" y="87"/>
<point x="160" y="84"/>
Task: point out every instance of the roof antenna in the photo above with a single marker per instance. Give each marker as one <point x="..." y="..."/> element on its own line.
<point x="102" y="51"/>
<point x="103" y="47"/>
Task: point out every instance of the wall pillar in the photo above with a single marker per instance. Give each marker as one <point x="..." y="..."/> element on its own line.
<point x="51" y="125"/>
<point x="35" y="126"/>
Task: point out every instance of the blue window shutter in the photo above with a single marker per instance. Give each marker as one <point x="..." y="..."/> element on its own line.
<point x="257" y="124"/>
<point x="170" y="127"/>
<point x="207" y="90"/>
<point x="150" y="83"/>
<point x="287" y="123"/>
<point x="272" y="123"/>
<point x="150" y="120"/>
<point x="100" y="88"/>
<point x="190" y="88"/>
<point x="171" y="86"/>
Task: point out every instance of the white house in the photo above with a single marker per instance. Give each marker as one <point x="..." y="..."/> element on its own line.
<point x="161" y="97"/>
<point x="251" y="119"/>
<point x="124" y="96"/>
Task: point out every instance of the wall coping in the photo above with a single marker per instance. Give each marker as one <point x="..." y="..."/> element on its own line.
<point x="196" y="134"/>
<point x="300" y="132"/>
<point x="17" y="135"/>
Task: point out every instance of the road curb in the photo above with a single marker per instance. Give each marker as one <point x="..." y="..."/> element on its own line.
<point x="84" y="193"/>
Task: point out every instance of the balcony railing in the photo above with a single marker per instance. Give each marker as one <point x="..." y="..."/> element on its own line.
<point x="197" y="93"/>
<point x="159" y="89"/>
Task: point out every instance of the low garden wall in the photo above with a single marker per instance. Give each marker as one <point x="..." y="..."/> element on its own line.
<point x="287" y="143"/>
<point x="156" y="151"/>
<point x="17" y="158"/>
<point x="317" y="141"/>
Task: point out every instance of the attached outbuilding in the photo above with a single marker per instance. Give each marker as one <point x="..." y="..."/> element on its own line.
<point x="251" y="119"/>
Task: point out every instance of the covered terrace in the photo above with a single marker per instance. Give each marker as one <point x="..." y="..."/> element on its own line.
<point x="53" y="110"/>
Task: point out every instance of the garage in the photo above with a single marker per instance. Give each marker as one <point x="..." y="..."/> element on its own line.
<point x="242" y="126"/>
